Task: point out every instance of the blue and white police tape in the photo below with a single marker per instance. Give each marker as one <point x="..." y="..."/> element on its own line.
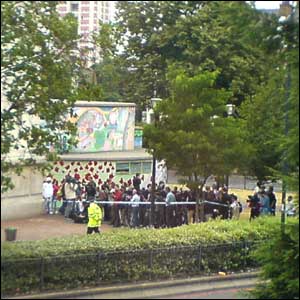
<point x="149" y="203"/>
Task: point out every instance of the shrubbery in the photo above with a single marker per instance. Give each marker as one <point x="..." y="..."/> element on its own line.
<point x="222" y="231"/>
<point x="78" y="260"/>
<point x="279" y="258"/>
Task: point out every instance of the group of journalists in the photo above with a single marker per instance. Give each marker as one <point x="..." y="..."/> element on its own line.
<point x="130" y="205"/>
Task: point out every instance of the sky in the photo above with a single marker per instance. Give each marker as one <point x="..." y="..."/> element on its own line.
<point x="258" y="4"/>
<point x="267" y="4"/>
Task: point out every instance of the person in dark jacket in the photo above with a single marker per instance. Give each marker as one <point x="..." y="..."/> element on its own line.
<point x="90" y="189"/>
<point x="273" y="200"/>
<point x="137" y="182"/>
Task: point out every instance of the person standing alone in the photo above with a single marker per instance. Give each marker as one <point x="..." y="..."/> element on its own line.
<point x="170" y="212"/>
<point x="48" y="194"/>
<point x="135" y="208"/>
<point x="95" y="217"/>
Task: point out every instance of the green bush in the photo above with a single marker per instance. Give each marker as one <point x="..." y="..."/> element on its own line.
<point x="279" y="258"/>
<point x="81" y="260"/>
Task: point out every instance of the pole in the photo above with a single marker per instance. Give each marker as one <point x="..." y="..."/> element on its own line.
<point x="286" y="123"/>
<point x="286" y="131"/>
<point x="155" y="119"/>
<point x="153" y="190"/>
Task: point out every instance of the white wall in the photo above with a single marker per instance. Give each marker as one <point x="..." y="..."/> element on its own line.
<point x="25" y="200"/>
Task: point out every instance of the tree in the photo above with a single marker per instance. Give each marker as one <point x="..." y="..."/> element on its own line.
<point x="39" y="68"/>
<point x="279" y="257"/>
<point x="275" y="108"/>
<point x="208" y="35"/>
<point x="189" y="136"/>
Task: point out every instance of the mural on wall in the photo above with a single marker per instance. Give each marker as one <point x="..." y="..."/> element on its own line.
<point x="104" y="128"/>
<point x="100" y="171"/>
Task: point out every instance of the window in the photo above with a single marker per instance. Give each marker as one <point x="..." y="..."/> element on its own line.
<point x="62" y="9"/>
<point x="74" y="7"/>
<point x="122" y="168"/>
<point x="135" y="168"/>
<point x="146" y="167"/>
<point x="84" y="28"/>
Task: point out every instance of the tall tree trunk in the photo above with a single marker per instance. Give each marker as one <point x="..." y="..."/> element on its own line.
<point x="202" y="215"/>
<point x="227" y="181"/>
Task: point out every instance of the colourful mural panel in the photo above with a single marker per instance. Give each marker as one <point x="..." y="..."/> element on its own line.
<point x="104" y="128"/>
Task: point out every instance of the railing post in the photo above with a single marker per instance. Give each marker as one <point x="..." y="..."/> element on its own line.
<point x="200" y="258"/>
<point x="98" y="267"/>
<point x="42" y="273"/>
<point x="245" y="254"/>
<point x="150" y="263"/>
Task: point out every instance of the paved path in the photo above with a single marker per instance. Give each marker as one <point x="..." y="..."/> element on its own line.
<point x="231" y="293"/>
<point x="231" y="289"/>
<point x="206" y="287"/>
<point x="45" y="226"/>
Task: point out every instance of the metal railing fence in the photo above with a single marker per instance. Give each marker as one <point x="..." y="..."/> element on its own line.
<point x="69" y="271"/>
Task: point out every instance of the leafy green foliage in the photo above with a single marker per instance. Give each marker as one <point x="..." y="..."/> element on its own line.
<point x="275" y="107"/>
<point x="75" y="260"/>
<point x="279" y="258"/>
<point x="192" y="135"/>
<point x="38" y="73"/>
<point x="200" y="36"/>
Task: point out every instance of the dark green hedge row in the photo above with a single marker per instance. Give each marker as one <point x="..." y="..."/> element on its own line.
<point x="138" y="255"/>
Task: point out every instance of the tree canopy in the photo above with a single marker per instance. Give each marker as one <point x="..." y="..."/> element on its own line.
<point x="272" y="114"/>
<point x="192" y="135"/>
<point x="200" y="36"/>
<point x="39" y="68"/>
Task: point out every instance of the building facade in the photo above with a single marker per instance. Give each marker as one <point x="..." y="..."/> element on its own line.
<point x="89" y="15"/>
<point x="107" y="151"/>
<point x="106" y="148"/>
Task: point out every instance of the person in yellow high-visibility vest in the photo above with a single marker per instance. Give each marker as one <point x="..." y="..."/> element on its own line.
<point x="95" y="218"/>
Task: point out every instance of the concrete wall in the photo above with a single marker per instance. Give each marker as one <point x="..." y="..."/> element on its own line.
<point x="25" y="200"/>
<point x="235" y="181"/>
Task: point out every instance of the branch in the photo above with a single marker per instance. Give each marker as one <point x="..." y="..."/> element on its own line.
<point x="15" y="105"/>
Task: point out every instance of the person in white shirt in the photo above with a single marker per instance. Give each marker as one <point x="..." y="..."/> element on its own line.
<point x="290" y="207"/>
<point x="235" y="208"/>
<point x="47" y="194"/>
<point x="257" y="189"/>
<point x="135" y="208"/>
<point x="170" y="209"/>
<point x="70" y="188"/>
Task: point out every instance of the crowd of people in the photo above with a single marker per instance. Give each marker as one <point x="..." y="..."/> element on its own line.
<point x="263" y="202"/>
<point x="172" y="207"/>
<point x="72" y="199"/>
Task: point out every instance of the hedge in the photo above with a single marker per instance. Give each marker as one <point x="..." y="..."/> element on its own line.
<point x="160" y="253"/>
